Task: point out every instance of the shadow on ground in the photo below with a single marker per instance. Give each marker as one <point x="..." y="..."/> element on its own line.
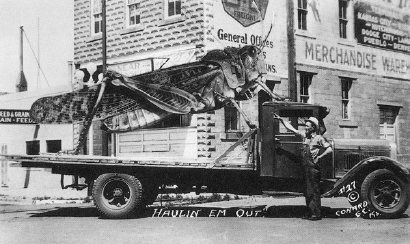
<point x="287" y="211"/>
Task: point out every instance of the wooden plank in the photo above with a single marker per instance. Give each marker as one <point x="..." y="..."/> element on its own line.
<point x="49" y="161"/>
<point x="131" y="149"/>
<point x="132" y="137"/>
<point x="173" y="142"/>
<point x="156" y="147"/>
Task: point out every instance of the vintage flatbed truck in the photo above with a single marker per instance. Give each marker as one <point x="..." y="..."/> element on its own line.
<point x="264" y="161"/>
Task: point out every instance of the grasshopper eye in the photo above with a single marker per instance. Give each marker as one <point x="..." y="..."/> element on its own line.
<point x="253" y="51"/>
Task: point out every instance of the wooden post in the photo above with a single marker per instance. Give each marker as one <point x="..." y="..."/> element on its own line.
<point x="21" y="82"/>
<point x="21" y="48"/>
<point x="104" y="36"/>
<point x="292" y="83"/>
<point x="4" y="167"/>
<point x="104" y="136"/>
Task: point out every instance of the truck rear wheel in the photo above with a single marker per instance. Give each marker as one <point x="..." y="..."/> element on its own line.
<point x="385" y="193"/>
<point x="117" y="195"/>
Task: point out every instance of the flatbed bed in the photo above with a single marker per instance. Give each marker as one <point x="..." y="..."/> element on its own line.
<point x="52" y="160"/>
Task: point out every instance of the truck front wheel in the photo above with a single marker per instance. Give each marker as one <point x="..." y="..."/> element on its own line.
<point x="385" y="193"/>
<point x="117" y="195"/>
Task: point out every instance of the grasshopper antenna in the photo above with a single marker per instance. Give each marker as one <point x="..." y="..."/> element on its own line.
<point x="263" y="43"/>
<point x="255" y="6"/>
<point x="266" y="37"/>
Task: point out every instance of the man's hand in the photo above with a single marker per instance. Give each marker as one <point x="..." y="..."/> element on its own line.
<point x="275" y="116"/>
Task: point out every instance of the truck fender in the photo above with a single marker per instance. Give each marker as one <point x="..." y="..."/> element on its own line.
<point x="355" y="176"/>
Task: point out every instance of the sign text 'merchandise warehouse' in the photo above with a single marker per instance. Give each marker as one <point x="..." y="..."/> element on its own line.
<point x="353" y="58"/>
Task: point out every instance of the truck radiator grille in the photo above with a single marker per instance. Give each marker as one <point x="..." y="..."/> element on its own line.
<point x="349" y="159"/>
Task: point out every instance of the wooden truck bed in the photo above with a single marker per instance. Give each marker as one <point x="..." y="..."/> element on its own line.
<point x="236" y="157"/>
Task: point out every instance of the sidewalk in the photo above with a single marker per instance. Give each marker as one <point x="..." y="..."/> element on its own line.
<point x="43" y="188"/>
<point x="29" y="195"/>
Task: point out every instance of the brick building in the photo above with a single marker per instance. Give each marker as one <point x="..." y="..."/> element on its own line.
<point x="350" y="55"/>
<point x="145" y="35"/>
<point x="354" y="57"/>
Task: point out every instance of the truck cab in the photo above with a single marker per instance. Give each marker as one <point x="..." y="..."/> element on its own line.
<point x="363" y="170"/>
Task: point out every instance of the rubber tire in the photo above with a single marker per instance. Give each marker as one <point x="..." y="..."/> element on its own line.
<point x="134" y="205"/>
<point x="367" y="189"/>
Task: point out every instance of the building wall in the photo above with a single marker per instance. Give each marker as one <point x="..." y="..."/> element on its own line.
<point x="156" y="33"/>
<point x="13" y="138"/>
<point x="198" y="29"/>
<point x="15" y="135"/>
<point x="202" y="28"/>
<point x="373" y="84"/>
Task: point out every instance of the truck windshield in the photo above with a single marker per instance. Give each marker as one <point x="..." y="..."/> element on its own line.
<point x="297" y="117"/>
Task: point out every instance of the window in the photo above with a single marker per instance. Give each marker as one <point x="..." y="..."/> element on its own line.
<point x="175" y="120"/>
<point x="231" y="118"/>
<point x="343" y="18"/>
<point x="53" y="146"/>
<point x="133" y="12"/>
<point x="173" y="7"/>
<point x="296" y="117"/>
<point x="346" y="85"/>
<point x="96" y="18"/>
<point x="302" y="13"/>
<point x="305" y="82"/>
<point x="33" y="147"/>
<point x="388" y="118"/>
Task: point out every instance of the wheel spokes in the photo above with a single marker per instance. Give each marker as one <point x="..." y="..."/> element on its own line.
<point x="387" y="194"/>
<point x="116" y="194"/>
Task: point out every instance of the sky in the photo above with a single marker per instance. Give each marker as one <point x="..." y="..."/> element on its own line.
<point x="51" y="21"/>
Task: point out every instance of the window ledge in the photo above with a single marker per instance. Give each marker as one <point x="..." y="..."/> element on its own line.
<point x="132" y="29"/>
<point x="392" y="104"/>
<point x="95" y="37"/>
<point x="348" y="124"/>
<point x="304" y="33"/>
<point x="346" y="42"/>
<point x="348" y="77"/>
<point x="171" y="20"/>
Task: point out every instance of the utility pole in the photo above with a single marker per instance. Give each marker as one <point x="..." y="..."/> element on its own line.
<point x="104" y="134"/>
<point x="292" y="84"/>
<point x="104" y="35"/>
<point x="21" y="80"/>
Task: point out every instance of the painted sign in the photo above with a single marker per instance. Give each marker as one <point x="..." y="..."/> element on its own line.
<point x="382" y="27"/>
<point x="367" y="60"/>
<point x="131" y="68"/>
<point x="234" y="25"/>
<point x="195" y="212"/>
<point x="246" y="12"/>
<point x="10" y="116"/>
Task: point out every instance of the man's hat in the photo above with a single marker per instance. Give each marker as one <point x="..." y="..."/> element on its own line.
<point x="314" y="121"/>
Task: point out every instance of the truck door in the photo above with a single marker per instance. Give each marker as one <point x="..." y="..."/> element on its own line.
<point x="281" y="149"/>
<point x="287" y="152"/>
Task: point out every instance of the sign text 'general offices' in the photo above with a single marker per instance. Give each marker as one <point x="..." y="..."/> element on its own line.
<point x="382" y="27"/>
<point x="248" y="39"/>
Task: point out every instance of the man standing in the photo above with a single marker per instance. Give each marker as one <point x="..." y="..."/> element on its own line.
<point x="315" y="147"/>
